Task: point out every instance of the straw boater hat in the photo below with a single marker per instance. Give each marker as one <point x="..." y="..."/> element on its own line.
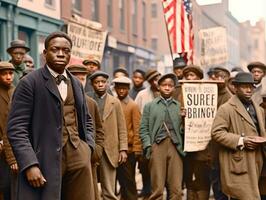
<point x="77" y="69"/>
<point x="6" y="66"/>
<point x="17" y="44"/>
<point x="193" y="68"/>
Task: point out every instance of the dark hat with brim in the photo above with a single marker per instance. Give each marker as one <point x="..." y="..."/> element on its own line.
<point x="98" y="73"/>
<point x="77" y="69"/>
<point x="179" y="62"/>
<point x="96" y="62"/>
<point x="122" y="70"/>
<point x="169" y="75"/>
<point x="6" y="66"/>
<point x="151" y="74"/>
<point x="211" y="71"/>
<point x="223" y="69"/>
<point x="256" y="65"/>
<point x="17" y="44"/>
<point x="193" y="68"/>
<point x="243" y="78"/>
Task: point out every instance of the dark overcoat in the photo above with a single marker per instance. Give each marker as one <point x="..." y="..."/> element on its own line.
<point x="35" y="130"/>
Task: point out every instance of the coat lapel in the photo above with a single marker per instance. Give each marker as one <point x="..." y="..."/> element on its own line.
<point x="260" y="118"/>
<point x="108" y="107"/>
<point x="240" y="109"/>
<point x="50" y="83"/>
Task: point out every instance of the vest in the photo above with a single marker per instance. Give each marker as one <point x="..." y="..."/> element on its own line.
<point x="70" y="127"/>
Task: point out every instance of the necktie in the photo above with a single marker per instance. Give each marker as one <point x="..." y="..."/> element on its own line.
<point x="60" y="78"/>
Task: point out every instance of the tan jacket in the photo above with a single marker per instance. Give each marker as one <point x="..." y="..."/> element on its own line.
<point x="114" y="127"/>
<point x="5" y="98"/>
<point x="132" y="116"/>
<point x="240" y="169"/>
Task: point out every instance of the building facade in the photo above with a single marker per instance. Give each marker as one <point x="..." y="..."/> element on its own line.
<point x="30" y="21"/>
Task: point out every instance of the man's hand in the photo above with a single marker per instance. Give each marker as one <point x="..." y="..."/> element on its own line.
<point x="183" y="112"/>
<point x="147" y="153"/>
<point x="122" y="157"/>
<point x="249" y="143"/>
<point x="14" y="168"/>
<point x="35" y="177"/>
<point x="1" y="147"/>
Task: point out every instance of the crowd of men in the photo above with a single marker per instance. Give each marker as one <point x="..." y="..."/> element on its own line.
<point x="64" y="128"/>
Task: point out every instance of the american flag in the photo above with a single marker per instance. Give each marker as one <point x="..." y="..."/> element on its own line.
<point x="178" y="18"/>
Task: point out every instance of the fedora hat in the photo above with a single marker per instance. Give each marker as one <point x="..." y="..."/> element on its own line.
<point x="243" y="78"/>
<point x="193" y="68"/>
<point x="257" y="65"/>
<point x="151" y="74"/>
<point x="179" y="62"/>
<point x="17" y="44"/>
<point x="4" y="65"/>
<point x="77" y="69"/>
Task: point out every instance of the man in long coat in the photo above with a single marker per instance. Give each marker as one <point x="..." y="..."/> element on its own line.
<point x="239" y="128"/>
<point x="50" y="130"/>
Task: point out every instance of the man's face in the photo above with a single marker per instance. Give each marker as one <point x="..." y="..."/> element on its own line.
<point x="138" y="79"/>
<point x="179" y="73"/>
<point x="221" y="76"/>
<point x="81" y="77"/>
<point x="191" y="76"/>
<point x="257" y="74"/>
<point x="17" y="55"/>
<point x="244" y="91"/>
<point x="58" y="54"/>
<point x="121" y="90"/>
<point x="6" y="77"/>
<point x="99" y="85"/>
<point x="92" y="67"/>
<point x="154" y="82"/>
<point x="167" y="87"/>
<point x="28" y="61"/>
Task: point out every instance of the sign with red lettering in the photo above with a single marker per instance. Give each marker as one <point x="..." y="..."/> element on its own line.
<point x="200" y="101"/>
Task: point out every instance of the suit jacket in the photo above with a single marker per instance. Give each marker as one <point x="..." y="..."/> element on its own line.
<point x="35" y="130"/>
<point x="240" y="169"/>
<point x="114" y="127"/>
<point x="5" y="98"/>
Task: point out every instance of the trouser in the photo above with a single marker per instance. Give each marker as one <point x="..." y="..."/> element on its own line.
<point x="216" y="185"/>
<point x="143" y="164"/>
<point x="5" y="190"/>
<point x="107" y="178"/>
<point x="166" y="168"/>
<point x="77" y="183"/>
<point x="126" y="178"/>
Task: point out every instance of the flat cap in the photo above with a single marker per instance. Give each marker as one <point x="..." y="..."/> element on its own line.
<point x="256" y="64"/>
<point x="17" y="44"/>
<point x="193" y="68"/>
<point x="77" y="69"/>
<point x="151" y="74"/>
<point x="91" y="59"/>
<point x="122" y="80"/>
<point x="6" y="65"/>
<point x="98" y="73"/>
<point x="169" y="75"/>
<point x="179" y="62"/>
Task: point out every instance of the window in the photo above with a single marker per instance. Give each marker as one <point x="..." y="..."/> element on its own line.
<point x="153" y="10"/>
<point x="110" y="13"/>
<point x="122" y="14"/>
<point x="154" y="43"/>
<point x="134" y="16"/>
<point x="76" y="4"/>
<point x="144" y="19"/>
<point x="95" y="10"/>
<point x="50" y="3"/>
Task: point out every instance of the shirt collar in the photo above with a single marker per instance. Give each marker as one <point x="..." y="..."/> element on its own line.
<point x="55" y="74"/>
<point x="126" y="99"/>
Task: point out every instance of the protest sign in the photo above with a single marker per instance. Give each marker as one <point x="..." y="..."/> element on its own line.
<point x="200" y="102"/>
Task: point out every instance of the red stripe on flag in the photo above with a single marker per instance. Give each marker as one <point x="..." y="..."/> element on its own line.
<point x="182" y="27"/>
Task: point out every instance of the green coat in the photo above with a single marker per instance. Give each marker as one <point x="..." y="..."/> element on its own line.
<point x="152" y="120"/>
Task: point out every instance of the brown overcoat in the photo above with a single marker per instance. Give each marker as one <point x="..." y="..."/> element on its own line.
<point x="5" y="98"/>
<point x="240" y="169"/>
<point x="115" y="131"/>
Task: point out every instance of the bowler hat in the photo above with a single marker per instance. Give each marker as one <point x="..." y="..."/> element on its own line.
<point x="151" y="74"/>
<point x="257" y="65"/>
<point x="243" y="78"/>
<point x="120" y="69"/>
<point x="77" y="69"/>
<point x="169" y="75"/>
<point x="122" y="80"/>
<point x="193" y="68"/>
<point x="179" y="62"/>
<point x="98" y="73"/>
<point x="6" y="65"/>
<point x="17" y="44"/>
